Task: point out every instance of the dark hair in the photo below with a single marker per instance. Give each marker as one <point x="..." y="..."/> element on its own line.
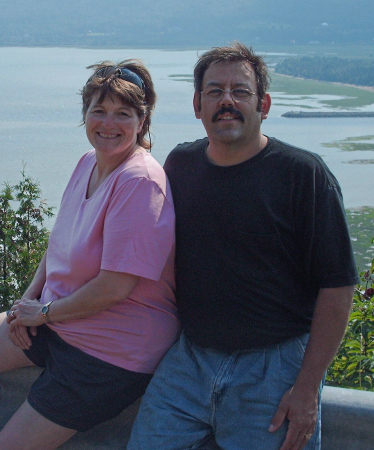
<point x="106" y="80"/>
<point x="234" y="52"/>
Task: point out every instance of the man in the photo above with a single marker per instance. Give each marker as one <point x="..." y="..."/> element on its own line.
<point x="265" y="277"/>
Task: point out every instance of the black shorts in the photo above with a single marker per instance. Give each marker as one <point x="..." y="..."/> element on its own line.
<point x="77" y="390"/>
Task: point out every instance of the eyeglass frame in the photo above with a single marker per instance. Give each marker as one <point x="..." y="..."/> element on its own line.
<point x="123" y="73"/>
<point x="230" y="91"/>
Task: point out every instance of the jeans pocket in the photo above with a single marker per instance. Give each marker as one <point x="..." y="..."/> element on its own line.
<point x="291" y="357"/>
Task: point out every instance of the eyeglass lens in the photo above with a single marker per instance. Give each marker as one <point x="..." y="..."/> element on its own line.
<point x="238" y="94"/>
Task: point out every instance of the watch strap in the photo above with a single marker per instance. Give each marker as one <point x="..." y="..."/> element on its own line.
<point x="45" y="311"/>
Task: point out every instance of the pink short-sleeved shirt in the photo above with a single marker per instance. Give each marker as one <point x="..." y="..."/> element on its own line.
<point x="127" y="225"/>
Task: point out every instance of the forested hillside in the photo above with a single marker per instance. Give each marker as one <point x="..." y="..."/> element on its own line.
<point x="174" y="23"/>
<point x="350" y="71"/>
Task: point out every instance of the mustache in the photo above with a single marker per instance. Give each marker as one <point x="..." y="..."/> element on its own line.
<point x="234" y="112"/>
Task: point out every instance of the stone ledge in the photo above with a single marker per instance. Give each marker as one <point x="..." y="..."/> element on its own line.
<point x="347" y="417"/>
<point x="113" y="434"/>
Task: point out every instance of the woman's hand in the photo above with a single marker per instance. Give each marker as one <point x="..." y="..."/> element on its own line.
<point x="17" y="332"/>
<point x="20" y="337"/>
<point x="25" y="312"/>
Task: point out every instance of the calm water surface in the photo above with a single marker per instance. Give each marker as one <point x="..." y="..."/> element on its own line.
<point x="40" y="116"/>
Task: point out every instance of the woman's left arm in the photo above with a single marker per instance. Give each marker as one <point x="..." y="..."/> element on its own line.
<point x="100" y="293"/>
<point x="18" y="333"/>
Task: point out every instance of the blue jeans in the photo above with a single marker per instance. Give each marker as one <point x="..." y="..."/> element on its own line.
<point x="198" y="395"/>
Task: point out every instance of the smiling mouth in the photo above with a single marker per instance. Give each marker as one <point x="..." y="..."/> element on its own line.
<point x="227" y="118"/>
<point x="108" y="136"/>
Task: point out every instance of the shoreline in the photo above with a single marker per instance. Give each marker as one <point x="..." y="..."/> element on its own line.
<point x="330" y="114"/>
<point x="182" y="49"/>
<point x="338" y="83"/>
<point x="365" y="88"/>
<point x="167" y="48"/>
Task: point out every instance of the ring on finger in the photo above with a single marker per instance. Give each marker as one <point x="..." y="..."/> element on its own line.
<point x="12" y="314"/>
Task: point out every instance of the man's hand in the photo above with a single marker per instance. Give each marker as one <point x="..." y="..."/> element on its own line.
<point x="300" y="407"/>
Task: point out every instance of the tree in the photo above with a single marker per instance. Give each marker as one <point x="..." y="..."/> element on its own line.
<point x="356" y="71"/>
<point x="23" y="237"/>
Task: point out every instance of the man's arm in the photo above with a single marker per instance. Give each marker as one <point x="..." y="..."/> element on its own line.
<point x="300" y="404"/>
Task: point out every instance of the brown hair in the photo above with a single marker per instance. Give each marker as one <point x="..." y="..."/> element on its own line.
<point x="110" y="83"/>
<point x="234" y="52"/>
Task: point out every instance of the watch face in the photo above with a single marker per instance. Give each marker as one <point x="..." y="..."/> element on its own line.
<point x="45" y="309"/>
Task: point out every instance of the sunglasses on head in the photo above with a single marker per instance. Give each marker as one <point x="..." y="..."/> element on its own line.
<point x="124" y="74"/>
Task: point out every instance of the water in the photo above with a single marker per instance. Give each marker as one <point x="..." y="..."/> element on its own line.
<point x="40" y="116"/>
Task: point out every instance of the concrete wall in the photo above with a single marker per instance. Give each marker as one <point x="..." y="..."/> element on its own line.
<point x="347" y="417"/>
<point x="113" y="435"/>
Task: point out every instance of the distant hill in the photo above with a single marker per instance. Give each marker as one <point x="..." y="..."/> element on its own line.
<point x="173" y="23"/>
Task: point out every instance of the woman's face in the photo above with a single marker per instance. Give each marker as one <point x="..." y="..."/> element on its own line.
<point x="112" y="127"/>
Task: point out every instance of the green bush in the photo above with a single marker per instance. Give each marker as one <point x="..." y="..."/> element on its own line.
<point x="23" y="238"/>
<point x="353" y="366"/>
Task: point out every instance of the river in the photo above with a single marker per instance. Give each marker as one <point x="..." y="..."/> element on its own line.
<point x="40" y="117"/>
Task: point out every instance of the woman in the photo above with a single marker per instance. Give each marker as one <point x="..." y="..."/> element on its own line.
<point x="100" y="312"/>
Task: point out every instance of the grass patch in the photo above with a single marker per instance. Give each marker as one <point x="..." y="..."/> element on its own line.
<point x="353" y="144"/>
<point x="185" y="75"/>
<point x="351" y="97"/>
<point x="361" y="227"/>
<point x="360" y="161"/>
<point x="182" y="77"/>
<point x="296" y="105"/>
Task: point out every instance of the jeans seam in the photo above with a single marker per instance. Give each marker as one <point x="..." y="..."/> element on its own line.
<point x="227" y="367"/>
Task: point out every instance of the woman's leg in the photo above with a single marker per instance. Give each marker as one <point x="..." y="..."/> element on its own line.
<point x="11" y="356"/>
<point x="29" y="430"/>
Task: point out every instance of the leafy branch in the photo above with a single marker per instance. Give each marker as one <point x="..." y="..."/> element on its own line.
<point x="23" y="237"/>
<point x="353" y="366"/>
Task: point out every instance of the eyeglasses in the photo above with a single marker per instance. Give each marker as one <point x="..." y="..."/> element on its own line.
<point x="237" y="94"/>
<point x="121" y="72"/>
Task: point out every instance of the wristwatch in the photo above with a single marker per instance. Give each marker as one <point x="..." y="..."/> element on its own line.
<point x="45" y="311"/>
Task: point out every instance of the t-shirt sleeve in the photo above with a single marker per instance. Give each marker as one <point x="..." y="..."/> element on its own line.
<point x="328" y="255"/>
<point x="138" y="230"/>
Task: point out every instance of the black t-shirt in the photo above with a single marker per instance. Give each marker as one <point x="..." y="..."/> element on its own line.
<point x="255" y="243"/>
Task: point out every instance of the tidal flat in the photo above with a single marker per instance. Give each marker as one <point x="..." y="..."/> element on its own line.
<point x="353" y="143"/>
<point x="332" y="95"/>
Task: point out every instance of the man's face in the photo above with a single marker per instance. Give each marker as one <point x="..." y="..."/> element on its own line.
<point x="228" y="121"/>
